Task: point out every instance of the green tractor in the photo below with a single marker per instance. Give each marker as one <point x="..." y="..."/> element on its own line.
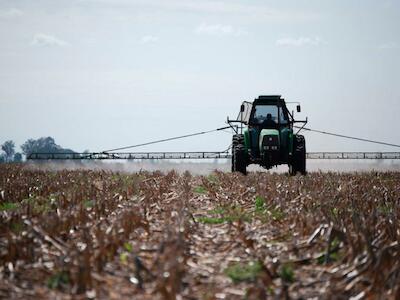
<point x="265" y="136"/>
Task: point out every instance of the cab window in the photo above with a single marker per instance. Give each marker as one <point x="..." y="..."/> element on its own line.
<point x="282" y="116"/>
<point x="264" y="112"/>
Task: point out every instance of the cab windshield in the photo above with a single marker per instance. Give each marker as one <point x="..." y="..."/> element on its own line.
<point x="268" y="115"/>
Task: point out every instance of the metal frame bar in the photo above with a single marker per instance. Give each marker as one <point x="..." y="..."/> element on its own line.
<point x="199" y="155"/>
<point x="353" y="155"/>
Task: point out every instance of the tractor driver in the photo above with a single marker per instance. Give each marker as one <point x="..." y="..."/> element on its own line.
<point x="269" y="121"/>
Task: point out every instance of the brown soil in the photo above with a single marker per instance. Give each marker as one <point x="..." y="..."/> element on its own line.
<point x="151" y="235"/>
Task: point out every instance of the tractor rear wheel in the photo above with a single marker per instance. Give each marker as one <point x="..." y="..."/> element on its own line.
<point x="239" y="159"/>
<point x="237" y="139"/>
<point x="239" y="162"/>
<point x="298" y="163"/>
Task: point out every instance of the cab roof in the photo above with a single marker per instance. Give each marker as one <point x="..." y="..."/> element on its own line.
<point x="270" y="99"/>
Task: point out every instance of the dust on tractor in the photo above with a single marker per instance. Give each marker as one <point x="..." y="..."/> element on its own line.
<point x="265" y="136"/>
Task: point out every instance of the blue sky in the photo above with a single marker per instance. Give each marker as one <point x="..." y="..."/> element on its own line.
<point x="98" y="74"/>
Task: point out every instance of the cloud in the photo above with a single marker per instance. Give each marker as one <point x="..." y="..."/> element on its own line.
<point x="11" y="13"/>
<point x="299" y="42"/>
<point x="45" y="40"/>
<point x="148" y="39"/>
<point x="219" y="29"/>
<point x="388" y="46"/>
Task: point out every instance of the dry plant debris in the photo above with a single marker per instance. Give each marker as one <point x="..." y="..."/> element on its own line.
<point x="151" y="235"/>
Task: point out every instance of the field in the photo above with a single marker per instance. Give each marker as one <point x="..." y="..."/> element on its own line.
<point x="151" y="235"/>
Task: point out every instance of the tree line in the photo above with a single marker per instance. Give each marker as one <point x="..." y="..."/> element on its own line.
<point x="41" y="145"/>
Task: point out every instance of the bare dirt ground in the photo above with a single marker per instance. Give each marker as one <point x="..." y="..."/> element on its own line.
<point x="151" y="235"/>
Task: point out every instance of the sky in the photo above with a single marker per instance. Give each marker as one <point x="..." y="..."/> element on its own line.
<point x="101" y="74"/>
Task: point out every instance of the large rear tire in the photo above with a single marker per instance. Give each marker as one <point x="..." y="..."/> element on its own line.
<point x="298" y="163"/>
<point x="239" y="159"/>
<point x="239" y="162"/>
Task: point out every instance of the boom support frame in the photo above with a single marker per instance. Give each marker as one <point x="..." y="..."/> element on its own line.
<point x="199" y="155"/>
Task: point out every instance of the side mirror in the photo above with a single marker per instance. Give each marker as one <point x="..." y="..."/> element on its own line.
<point x="298" y="108"/>
<point x="242" y="108"/>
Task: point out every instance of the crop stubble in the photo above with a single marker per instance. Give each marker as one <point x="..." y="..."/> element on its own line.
<point x="152" y="235"/>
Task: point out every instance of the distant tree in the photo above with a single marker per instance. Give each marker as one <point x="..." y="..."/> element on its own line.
<point x="43" y="145"/>
<point x="2" y="159"/>
<point x="9" y="149"/>
<point x="17" y="157"/>
<point x="28" y="147"/>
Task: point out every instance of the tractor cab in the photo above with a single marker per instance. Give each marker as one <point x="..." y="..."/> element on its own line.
<point x="267" y="138"/>
<point x="269" y="114"/>
<point x="266" y="111"/>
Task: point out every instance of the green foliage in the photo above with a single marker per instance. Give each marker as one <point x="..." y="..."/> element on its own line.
<point x="8" y="206"/>
<point x="240" y="272"/>
<point x="335" y="212"/>
<point x="217" y="211"/>
<point x="335" y="243"/>
<point x="211" y="220"/>
<point x="236" y="217"/>
<point x="270" y="290"/>
<point x="123" y="257"/>
<point x="260" y="204"/>
<point x="208" y="295"/>
<point x="200" y="190"/>
<point x="225" y="214"/>
<point x="280" y="239"/>
<point x="88" y="203"/>
<point x="128" y="247"/>
<point x="386" y="209"/>
<point x="39" y="204"/>
<point x="213" y="179"/>
<point x="276" y="213"/>
<point x="57" y="280"/>
<point x="265" y="212"/>
<point x="333" y="255"/>
<point x="286" y="273"/>
<point x="17" y="227"/>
